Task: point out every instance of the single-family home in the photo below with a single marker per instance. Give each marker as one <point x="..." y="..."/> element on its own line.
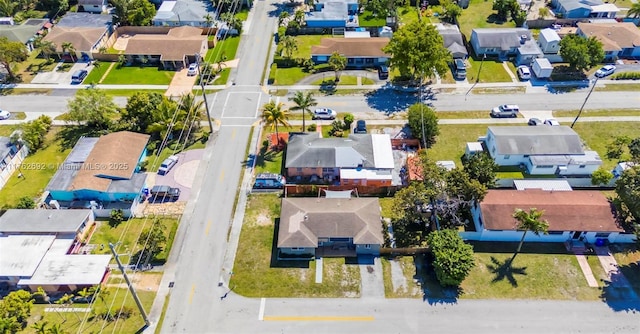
<point x="45" y="261"/>
<point x="101" y="174"/>
<point x="186" y="42"/>
<point x="63" y="224"/>
<point x="360" y="52"/>
<point x="24" y="33"/>
<point x="541" y="150"/>
<point x="549" y="43"/>
<point x="323" y="227"/>
<point x="453" y="41"/>
<point x="86" y="32"/>
<point x="333" y="14"/>
<point x="195" y="13"/>
<point x="580" y="215"/>
<point x="11" y="156"/>
<point x="619" y="39"/>
<point x="92" y="6"/>
<point x="360" y="159"/>
<point x="504" y="43"/>
<point x="581" y="9"/>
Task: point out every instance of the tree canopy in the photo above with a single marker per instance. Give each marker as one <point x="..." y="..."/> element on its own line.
<point x="422" y="119"/>
<point x="140" y="111"/>
<point x="133" y="12"/>
<point x="529" y="221"/>
<point x="581" y="53"/>
<point x="417" y="51"/>
<point x="628" y="202"/>
<point x="11" y="52"/>
<point x="94" y="108"/>
<point x="481" y="167"/>
<point x="453" y="258"/>
<point x="337" y="62"/>
<point x="15" y="309"/>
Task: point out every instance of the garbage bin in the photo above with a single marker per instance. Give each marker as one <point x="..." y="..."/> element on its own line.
<point x="600" y="242"/>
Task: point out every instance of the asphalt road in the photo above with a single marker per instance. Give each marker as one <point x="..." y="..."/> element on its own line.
<point x="202" y="236"/>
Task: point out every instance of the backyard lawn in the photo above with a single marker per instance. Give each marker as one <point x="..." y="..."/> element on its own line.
<point x="450" y="144"/>
<point x="35" y="179"/>
<point x="480" y="15"/>
<point x="598" y="134"/>
<point x="540" y="271"/>
<point x="136" y="75"/>
<point x="257" y="273"/>
<point x="366" y="19"/>
<point x="227" y="47"/>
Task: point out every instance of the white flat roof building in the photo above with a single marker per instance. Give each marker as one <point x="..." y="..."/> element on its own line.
<point x="20" y="255"/>
<point x="57" y="269"/>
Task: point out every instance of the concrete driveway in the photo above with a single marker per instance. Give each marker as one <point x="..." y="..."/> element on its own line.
<point x="181" y="175"/>
<point x="58" y="77"/>
<point x="181" y="83"/>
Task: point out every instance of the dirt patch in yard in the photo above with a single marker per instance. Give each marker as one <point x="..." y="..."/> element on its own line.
<point x="141" y="281"/>
<point x="263" y="220"/>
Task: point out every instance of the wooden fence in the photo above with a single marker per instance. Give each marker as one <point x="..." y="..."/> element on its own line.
<point x="301" y="190"/>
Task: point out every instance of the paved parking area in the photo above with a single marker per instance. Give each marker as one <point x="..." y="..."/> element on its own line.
<point x="57" y="77"/>
<point x="181" y="175"/>
<point x="181" y="83"/>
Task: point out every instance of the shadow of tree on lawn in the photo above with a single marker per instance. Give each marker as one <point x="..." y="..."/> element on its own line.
<point x="619" y="293"/>
<point x="505" y="270"/>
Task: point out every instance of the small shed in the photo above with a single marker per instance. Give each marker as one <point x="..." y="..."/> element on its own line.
<point x="542" y="68"/>
<point x="473" y="148"/>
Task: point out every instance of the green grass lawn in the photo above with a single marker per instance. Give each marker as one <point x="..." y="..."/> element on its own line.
<point x="129" y="92"/>
<point x="28" y="69"/>
<point x="227" y="47"/>
<point x="366" y="19"/>
<point x="289" y="76"/>
<point x="242" y="14"/>
<point x="450" y="144"/>
<point x="628" y="258"/>
<point x="478" y="15"/>
<point x="598" y="134"/>
<point x="597" y="112"/>
<point x="131" y="229"/>
<point x="97" y="72"/>
<point x="619" y="88"/>
<point x="367" y="81"/>
<point x="256" y="273"/>
<point x="491" y="71"/>
<point x="136" y="75"/>
<point x="305" y="42"/>
<point x="35" y="178"/>
<point x="224" y="76"/>
<point x="347" y="80"/>
<point x="154" y="160"/>
<point x="71" y="322"/>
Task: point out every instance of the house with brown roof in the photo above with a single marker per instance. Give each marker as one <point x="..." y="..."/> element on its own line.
<point x="311" y="227"/>
<point x="360" y="52"/>
<point x="101" y="174"/>
<point x="580" y="215"/>
<point x="87" y="33"/>
<point x="619" y="39"/>
<point x="174" y="49"/>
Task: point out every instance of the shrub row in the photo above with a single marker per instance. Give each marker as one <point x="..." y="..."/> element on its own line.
<point x="626" y="76"/>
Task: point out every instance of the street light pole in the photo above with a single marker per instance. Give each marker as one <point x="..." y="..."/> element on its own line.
<point x="204" y="95"/>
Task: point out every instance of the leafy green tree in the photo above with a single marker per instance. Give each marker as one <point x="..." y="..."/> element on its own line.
<point x="634" y="10"/>
<point x="628" y="191"/>
<point x="423" y="123"/>
<point x="411" y="222"/>
<point x="34" y="132"/>
<point x="461" y="185"/>
<point x="93" y="108"/>
<point x="616" y="147"/>
<point x="529" y="221"/>
<point x="348" y="120"/>
<point x="25" y="202"/>
<point x="289" y="45"/>
<point x="274" y="114"/>
<point x="116" y="216"/>
<point x="11" y="52"/>
<point x="282" y="17"/>
<point x="162" y="119"/>
<point x="56" y="329"/>
<point x="15" y="309"/>
<point x="503" y="7"/>
<point x="232" y="21"/>
<point x="8" y="8"/>
<point x="417" y="50"/>
<point x="379" y="8"/>
<point x="634" y="149"/>
<point x="451" y="11"/>
<point x="601" y="176"/>
<point x="140" y="110"/>
<point x="140" y="12"/>
<point x="337" y="62"/>
<point x="40" y="327"/>
<point x="453" y="258"/>
<point x="298" y="16"/>
<point x="543" y="12"/>
<point x="581" y="53"/>
<point x="481" y="167"/>
<point x="152" y="240"/>
<point x="303" y="101"/>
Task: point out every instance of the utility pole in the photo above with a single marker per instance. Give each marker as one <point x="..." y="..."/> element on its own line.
<point x="484" y="56"/>
<point x="585" y="102"/>
<point x="204" y="95"/>
<point x="133" y="291"/>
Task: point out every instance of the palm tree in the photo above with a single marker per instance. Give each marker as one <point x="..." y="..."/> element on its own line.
<point x="337" y="63"/>
<point x="69" y="48"/>
<point x="56" y="329"/>
<point x="46" y="48"/>
<point x="162" y="119"/>
<point x="40" y="327"/>
<point x="529" y="221"/>
<point x="7" y="8"/>
<point x="208" y="20"/>
<point x="189" y="115"/>
<point x="299" y="17"/>
<point x="303" y="102"/>
<point x="283" y="16"/>
<point x="634" y="11"/>
<point x="273" y="114"/>
<point x="289" y="44"/>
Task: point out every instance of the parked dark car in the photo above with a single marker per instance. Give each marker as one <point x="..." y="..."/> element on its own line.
<point x="361" y="127"/>
<point x="383" y="72"/>
<point x="534" y="121"/>
<point x="460" y="69"/>
<point x="165" y="193"/>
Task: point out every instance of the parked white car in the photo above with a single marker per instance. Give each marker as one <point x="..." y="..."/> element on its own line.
<point x="193" y="69"/>
<point x="4" y="114"/>
<point x="524" y="73"/>
<point x="167" y="164"/>
<point x="324" y="113"/>
<point x="605" y="71"/>
<point x="505" y="110"/>
<point x="551" y="121"/>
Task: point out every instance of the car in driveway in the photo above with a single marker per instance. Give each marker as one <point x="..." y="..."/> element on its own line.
<point x="534" y="121"/>
<point x="192" y="70"/>
<point x="165" y="193"/>
<point x="505" y="110"/>
<point x="551" y="121"/>
<point x="361" y="127"/>
<point x="383" y="72"/>
<point x="167" y="164"/>
<point x="78" y="76"/>
<point x="605" y="71"/>
<point x="524" y="73"/>
<point x="324" y="113"/>
<point x="4" y="114"/>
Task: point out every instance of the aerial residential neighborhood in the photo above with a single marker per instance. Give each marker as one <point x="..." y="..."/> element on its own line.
<point x="197" y="166"/>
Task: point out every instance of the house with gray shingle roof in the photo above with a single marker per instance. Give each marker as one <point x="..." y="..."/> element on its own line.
<point x="581" y="9"/>
<point x="311" y="227"/>
<point x="504" y="43"/>
<point x="24" y="33"/>
<point x="185" y="13"/>
<point x="541" y="150"/>
<point x="452" y="38"/>
<point x="360" y="159"/>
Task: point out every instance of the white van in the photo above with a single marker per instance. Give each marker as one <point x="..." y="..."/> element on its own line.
<point x="78" y="76"/>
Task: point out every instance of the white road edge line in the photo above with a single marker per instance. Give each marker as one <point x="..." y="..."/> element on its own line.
<point x="258" y="107"/>
<point x="225" y="104"/>
<point x="261" y="313"/>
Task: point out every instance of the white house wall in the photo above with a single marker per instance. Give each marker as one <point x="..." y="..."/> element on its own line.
<point x="511" y="159"/>
<point x="576" y="170"/>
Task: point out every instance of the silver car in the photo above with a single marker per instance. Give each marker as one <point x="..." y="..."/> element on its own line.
<point x="324" y="113"/>
<point x="167" y="164"/>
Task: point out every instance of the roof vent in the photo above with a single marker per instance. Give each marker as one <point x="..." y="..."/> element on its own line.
<point x="306" y="217"/>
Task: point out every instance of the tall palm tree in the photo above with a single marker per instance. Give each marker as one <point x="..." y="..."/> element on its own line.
<point x="634" y="11"/>
<point x="304" y="101"/>
<point x="273" y="114"/>
<point x="289" y="44"/>
<point x="40" y="327"/>
<point x="529" y="221"/>
<point x="337" y="63"/>
<point x="56" y="329"/>
<point x="46" y="48"/>
<point x="8" y="8"/>
<point x="67" y="47"/>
